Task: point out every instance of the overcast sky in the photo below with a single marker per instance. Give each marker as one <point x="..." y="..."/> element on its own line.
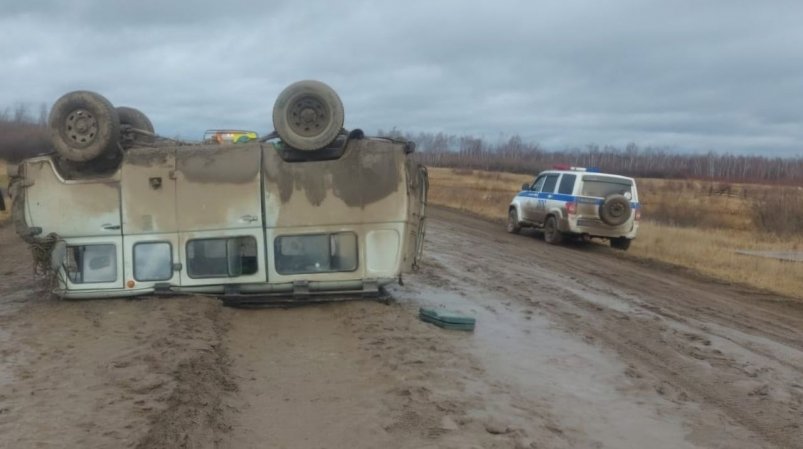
<point x="688" y="75"/>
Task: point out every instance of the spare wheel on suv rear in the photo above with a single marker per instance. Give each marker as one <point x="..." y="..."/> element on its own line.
<point x="615" y="210"/>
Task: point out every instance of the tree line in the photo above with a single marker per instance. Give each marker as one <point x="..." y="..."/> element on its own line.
<point x="22" y="133"/>
<point x="515" y="155"/>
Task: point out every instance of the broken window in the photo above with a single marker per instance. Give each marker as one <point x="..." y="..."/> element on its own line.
<point x="91" y="264"/>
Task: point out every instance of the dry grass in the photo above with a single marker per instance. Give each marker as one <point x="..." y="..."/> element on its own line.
<point x="484" y="193"/>
<point x="724" y="225"/>
<point x="698" y="204"/>
<point x="713" y="253"/>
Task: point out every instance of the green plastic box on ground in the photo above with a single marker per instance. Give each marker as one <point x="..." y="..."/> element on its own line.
<point x="447" y="319"/>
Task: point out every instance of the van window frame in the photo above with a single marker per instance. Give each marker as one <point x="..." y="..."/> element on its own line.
<point x="228" y="275"/>
<point x="329" y="234"/>
<point x="81" y="271"/>
<point x="134" y="259"/>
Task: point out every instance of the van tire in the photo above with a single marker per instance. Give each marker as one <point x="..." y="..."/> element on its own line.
<point x="622" y="243"/>
<point x="615" y="210"/>
<point x="552" y="234"/>
<point x="513" y="225"/>
<point x="308" y="115"/>
<point x="83" y="125"/>
<point x="138" y="120"/>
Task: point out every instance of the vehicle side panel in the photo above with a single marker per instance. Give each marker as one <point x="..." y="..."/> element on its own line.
<point x="366" y="185"/>
<point x="370" y="191"/>
<point x="149" y="191"/>
<point x="218" y="187"/>
<point x="70" y="208"/>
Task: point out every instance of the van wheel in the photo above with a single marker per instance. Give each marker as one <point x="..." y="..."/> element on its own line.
<point x="513" y="226"/>
<point x="134" y="118"/>
<point x="622" y="243"/>
<point x="552" y="234"/>
<point x="83" y="125"/>
<point x="308" y="115"/>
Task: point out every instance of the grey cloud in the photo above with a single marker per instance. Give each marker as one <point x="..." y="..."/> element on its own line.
<point x="715" y="75"/>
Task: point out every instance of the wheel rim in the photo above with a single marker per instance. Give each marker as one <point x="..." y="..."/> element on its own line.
<point x="81" y="127"/>
<point x="308" y="116"/>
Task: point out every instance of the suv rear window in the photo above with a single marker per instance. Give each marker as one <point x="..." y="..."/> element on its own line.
<point x="602" y="186"/>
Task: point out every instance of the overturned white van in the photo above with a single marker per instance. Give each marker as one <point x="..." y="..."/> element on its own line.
<point x="310" y="211"/>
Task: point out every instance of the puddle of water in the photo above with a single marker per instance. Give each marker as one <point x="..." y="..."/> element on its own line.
<point x="580" y="384"/>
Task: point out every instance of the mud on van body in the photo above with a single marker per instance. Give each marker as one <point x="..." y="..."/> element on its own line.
<point x="249" y="221"/>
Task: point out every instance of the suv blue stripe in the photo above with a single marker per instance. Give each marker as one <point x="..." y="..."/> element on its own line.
<point x="568" y="198"/>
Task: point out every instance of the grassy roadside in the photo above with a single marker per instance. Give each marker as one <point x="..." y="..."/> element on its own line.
<point x="709" y="249"/>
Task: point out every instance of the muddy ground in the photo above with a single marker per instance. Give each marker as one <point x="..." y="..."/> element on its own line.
<point x="575" y="347"/>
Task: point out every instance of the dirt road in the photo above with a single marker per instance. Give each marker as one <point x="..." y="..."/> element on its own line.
<point x="575" y="347"/>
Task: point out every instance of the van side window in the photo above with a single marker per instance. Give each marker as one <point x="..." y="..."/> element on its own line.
<point x="567" y="184"/>
<point x="550" y="183"/>
<point x="153" y="261"/>
<point x="90" y="264"/>
<point x="316" y="253"/>
<point x="221" y="257"/>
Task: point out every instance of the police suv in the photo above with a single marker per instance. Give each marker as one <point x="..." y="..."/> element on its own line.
<point x="576" y="201"/>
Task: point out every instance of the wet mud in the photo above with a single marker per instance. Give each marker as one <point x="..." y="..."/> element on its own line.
<point x="575" y="346"/>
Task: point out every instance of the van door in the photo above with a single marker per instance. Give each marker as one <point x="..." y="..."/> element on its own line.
<point x="150" y="231"/>
<point x="220" y="219"/>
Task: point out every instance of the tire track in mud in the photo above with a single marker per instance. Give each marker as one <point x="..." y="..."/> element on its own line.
<point x="195" y="415"/>
<point x="111" y="373"/>
<point x="658" y="323"/>
<point x="184" y="372"/>
<point x="145" y="373"/>
<point x="367" y="375"/>
<point x="759" y="312"/>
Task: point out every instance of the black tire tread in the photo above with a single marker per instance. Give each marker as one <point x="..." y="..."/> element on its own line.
<point x="108" y="134"/>
<point x="323" y="93"/>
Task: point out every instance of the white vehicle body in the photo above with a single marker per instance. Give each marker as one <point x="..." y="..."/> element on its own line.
<point x="578" y="202"/>
<point x="240" y="220"/>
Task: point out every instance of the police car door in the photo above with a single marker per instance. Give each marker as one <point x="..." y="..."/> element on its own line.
<point x="545" y="198"/>
<point x="530" y="199"/>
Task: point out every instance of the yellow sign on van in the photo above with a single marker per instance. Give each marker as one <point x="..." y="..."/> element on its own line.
<point x="222" y="136"/>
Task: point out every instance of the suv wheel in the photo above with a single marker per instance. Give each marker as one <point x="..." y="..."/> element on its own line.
<point x="622" y="243"/>
<point x="552" y="234"/>
<point x="513" y="226"/>
<point x="615" y="210"/>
